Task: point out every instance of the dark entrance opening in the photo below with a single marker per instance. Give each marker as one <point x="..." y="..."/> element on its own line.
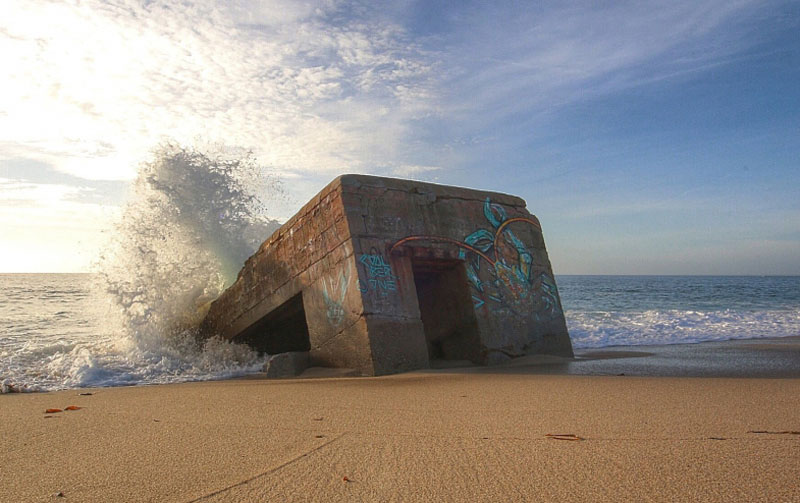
<point x="283" y="329"/>
<point x="446" y="309"/>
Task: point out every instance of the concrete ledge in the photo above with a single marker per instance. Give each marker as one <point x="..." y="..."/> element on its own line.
<point x="289" y="364"/>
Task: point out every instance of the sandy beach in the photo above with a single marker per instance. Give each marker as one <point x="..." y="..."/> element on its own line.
<point x="456" y="435"/>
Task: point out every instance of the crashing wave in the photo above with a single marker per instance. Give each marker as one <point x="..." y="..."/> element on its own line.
<point x="190" y="221"/>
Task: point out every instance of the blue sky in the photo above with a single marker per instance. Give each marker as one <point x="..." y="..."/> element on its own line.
<point x="648" y="137"/>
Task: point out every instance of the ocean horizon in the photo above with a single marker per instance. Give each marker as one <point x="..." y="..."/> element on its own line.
<point x="60" y="330"/>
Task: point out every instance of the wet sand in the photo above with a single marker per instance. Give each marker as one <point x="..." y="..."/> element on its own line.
<point x="769" y="358"/>
<point x="459" y="434"/>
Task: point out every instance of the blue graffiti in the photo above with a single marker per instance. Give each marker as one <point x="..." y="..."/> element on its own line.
<point x="379" y="274"/>
<point x="334" y="306"/>
<point x="507" y="281"/>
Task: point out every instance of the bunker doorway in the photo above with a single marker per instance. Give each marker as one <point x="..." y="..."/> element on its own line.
<point x="283" y="329"/>
<point x="446" y="309"/>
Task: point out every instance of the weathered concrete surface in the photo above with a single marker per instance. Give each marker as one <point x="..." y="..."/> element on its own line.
<point x="382" y="275"/>
<point x="289" y="364"/>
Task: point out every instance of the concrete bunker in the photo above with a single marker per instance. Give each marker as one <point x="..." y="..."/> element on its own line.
<point x="282" y="330"/>
<point x="383" y="275"/>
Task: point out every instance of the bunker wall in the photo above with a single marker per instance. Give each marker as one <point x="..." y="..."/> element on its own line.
<point x="311" y="256"/>
<point x="400" y="226"/>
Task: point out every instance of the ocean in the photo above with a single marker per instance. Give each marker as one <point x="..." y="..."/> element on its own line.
<point x="606" y="311"/>
<point x="58" y="330"/>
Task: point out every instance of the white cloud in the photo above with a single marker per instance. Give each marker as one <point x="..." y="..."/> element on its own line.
<point x="538" y="59"/>
<point x="275" y="12"/>
<point x="44" y="231"/>
<point x="92" y="86"/>
<point x="415" y="171"/>
<point x="320" y="88"/>
<point x="14" y="193"/>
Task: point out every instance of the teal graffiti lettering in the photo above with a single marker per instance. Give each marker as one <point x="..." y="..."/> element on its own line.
<point x="379" y="274"/>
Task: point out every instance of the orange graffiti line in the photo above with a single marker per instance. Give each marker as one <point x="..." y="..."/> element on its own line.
<point x="466" y="246"/>
<point x="445" y="240"/>
<point x="518" y="219"/>
<point x="511" y="221"/>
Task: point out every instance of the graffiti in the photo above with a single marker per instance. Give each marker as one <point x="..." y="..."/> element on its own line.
<point x="500" y="267"/>
<point x="379" y="274"/>
<point x="330" y="287"/>
<point x="376" y="265"/>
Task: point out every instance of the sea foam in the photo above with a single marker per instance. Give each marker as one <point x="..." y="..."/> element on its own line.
<point x="190" y="221"/>
<point x="591" y="329"/>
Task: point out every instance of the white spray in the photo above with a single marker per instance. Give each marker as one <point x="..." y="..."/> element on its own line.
<point x="191" y="220"/>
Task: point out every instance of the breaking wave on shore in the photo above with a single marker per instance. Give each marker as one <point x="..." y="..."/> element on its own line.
<point x="55" y="333"/>
<point x="652" y="327"/>
<point x="650" y="310"/>
<point x="190" y="221"/>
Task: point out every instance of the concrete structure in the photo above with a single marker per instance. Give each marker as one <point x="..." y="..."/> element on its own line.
<point x="383" y="275"/>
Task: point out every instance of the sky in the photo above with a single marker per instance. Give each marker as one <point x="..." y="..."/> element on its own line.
<point x="649" y="137"/>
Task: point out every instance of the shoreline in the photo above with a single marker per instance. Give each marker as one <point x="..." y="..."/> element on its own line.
<point x="761" y="357"/>
<point x="764" y="357"/>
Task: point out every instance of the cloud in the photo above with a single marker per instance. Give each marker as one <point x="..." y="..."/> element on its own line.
<point x="518" y="59"/>
<point x="53" y="234"/>
<point x="50" y="220"/>
<point x="415" y="171"/>
<point x="19" y="173"/>
<point x="319" y="88"/>
<point x="293" y="81"/>
<point x="432" y="90"/>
